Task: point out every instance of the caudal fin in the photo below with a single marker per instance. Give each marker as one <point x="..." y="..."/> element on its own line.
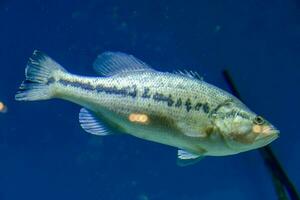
<point x="40" y="75"/>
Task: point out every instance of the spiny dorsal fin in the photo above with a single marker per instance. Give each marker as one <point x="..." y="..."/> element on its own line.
<point x="189" y="74"/>
<point x="91" y="124"/>
<point x="112" y="63"/>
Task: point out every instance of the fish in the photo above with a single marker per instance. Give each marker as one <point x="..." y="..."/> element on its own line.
<point x="128" y="96"/>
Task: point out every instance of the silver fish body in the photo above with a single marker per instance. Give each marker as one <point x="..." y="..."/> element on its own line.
<point x="175" y="109"/>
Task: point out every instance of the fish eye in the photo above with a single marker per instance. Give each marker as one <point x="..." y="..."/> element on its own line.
<point x="259" y="120"/>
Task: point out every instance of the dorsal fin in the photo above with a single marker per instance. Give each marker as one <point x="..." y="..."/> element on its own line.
<point x="189" y="74"/>
<point x="91" y="124"/>
<point x="112" y="63"/>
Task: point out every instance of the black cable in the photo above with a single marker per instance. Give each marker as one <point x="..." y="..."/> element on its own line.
<point x="269" y="157"/>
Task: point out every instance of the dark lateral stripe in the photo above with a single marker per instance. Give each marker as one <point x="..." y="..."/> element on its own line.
<point x="161" y="97"/>
<point x="125" y="91"/>
<point x="188" y="104"/>
<point x="146" y="93"/>
<point x="178" y="102"/>
<point x="132" y="91"/>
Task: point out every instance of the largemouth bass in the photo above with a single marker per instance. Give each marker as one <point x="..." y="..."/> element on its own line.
<point x="176" y="109"/>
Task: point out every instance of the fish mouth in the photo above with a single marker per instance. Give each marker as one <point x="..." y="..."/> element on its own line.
<point x="265" y="136"/>
<point x="268" y="134"/>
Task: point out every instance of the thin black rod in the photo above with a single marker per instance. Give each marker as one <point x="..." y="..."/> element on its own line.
<point x="269" y="157"/>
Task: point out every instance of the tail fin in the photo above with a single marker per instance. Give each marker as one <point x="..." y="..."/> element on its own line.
<point x="40" y="75"/>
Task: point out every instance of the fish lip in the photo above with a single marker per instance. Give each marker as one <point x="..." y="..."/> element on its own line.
<point x="271" y="136"/>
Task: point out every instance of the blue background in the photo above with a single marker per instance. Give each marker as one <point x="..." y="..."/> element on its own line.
<point x="46" y="155"/>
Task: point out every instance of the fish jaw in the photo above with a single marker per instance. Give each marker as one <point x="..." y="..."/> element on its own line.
<point x="241" y="134"/>
<point x="267" y="135"/>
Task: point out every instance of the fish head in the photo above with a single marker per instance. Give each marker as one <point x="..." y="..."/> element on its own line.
<point x="243" y="130"/>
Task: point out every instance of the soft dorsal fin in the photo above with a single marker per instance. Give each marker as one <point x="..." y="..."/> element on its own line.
<point x="189" y="74"/>
<point x="112" y="63"/>
<point x="91" y="124"/>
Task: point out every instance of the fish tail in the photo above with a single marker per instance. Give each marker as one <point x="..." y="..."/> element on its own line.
<point x="40" y="75"/>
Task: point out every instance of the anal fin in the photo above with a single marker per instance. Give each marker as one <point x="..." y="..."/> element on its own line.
<point x="91" y="124"/>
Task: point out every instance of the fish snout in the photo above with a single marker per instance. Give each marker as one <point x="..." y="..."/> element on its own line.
<point x="265" y="132"/>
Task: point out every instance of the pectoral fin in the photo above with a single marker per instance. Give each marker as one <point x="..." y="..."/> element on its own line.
<point x="188" y="131"/>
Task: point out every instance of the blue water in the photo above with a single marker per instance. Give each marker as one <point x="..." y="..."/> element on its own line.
<point x="46" y="155"/>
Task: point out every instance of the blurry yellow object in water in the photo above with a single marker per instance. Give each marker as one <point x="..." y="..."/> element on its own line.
<point x="138" y="117"/>
<point x="3" y="108"/>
